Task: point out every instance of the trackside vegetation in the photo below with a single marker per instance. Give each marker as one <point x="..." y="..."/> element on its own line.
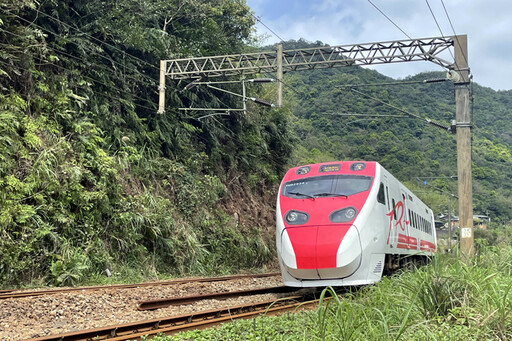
<point x="445" y="300"/>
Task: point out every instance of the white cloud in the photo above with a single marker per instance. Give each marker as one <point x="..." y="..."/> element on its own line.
<point x="336" y="22"/>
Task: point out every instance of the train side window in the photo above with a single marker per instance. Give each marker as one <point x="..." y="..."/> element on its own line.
<point x="394" y="210"/>
<point x="387" y="196"/>
<point x="410" y="218"/>
<point x="381" y="196"/>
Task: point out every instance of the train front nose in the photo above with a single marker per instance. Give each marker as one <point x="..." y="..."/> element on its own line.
<point x="321" y="252"/>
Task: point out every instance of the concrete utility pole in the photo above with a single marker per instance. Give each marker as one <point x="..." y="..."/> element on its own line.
<point x="463" y="124"/>
<point x="161" y="88"/>
<point x="279" y="76"/>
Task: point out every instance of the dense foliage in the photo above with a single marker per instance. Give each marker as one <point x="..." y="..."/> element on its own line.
<point x="93" y="178"/>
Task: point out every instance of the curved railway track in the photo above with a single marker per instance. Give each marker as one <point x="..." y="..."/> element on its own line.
<point x="163" y="303"/>
<point x="196" y="320"/>
<point x="13" y="293"/>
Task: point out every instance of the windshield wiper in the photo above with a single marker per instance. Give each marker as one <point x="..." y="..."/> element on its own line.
<point x="330" y="194"/>
<point x="302" y="195"/>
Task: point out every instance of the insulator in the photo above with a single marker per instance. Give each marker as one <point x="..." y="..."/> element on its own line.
<point x="262" y="80"/>
<point x="439" y="125"/>
<point x="436" y="80"/>
<point x="190" y="86"/>
<point x="262" y="102"/>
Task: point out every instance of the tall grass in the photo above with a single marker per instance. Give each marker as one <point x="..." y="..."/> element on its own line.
<point x="446" y="300"/>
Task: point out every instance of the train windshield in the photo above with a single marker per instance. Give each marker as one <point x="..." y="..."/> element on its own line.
<point x="327" y="186"/>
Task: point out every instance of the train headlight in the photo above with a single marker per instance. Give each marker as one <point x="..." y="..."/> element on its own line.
<point x="303" y="170"/>
<point x="343" y="216"/>
<point x="296" y="217"/>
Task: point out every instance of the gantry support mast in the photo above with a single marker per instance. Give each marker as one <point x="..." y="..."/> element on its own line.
<point x="279" y="62"/>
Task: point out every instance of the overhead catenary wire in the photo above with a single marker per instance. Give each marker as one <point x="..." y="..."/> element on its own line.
<point x="46" y="62"/>
<point x="66" y="39"/>
<point x="96" y="39"/>
<point x="437" y="24"/>
<point x="101" y="67"/>
<point x="258" y="19"/>
<point x="453" y="30"/>
<point x="429" y="121"/>
<point x="363" y="115"/>
<point x="390" y="20"/>
<point x="425" y="81"/>
<point x="102" y="83"/>
<point x="282" y="40"/>
<point x="381" y="12"/>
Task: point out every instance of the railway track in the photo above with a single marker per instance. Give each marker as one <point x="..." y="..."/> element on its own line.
<point x="163" y="303"/>
<point x="11" y="293"/>
<point x="175" y="324"/>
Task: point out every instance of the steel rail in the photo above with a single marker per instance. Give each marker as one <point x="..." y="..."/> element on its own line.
<point x="174" y="324"/>
<point x="9" y="294"/>
<point x="163" y="303"/>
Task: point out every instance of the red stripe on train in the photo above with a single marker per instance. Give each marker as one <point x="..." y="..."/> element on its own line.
<point x="316" y="247"/>
<point x="427" y="246"/>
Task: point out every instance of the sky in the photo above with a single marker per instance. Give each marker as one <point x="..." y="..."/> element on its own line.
<point x="487" y="24"/>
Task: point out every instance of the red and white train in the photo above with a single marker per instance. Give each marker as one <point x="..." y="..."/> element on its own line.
<point x="345" y="223"/>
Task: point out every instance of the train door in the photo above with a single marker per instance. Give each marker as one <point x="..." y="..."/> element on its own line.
<point x="391" y="216"/>
<point x="405" y="217"/>
<point x="405" y="240"/>
<point x="398" y="234"/>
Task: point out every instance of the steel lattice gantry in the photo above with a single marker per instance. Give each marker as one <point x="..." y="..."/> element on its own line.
<point x="427" y="49"/>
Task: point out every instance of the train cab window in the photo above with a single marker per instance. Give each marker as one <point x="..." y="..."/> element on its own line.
<point x="381" y="197"/>
<point x="327" y="186"/>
